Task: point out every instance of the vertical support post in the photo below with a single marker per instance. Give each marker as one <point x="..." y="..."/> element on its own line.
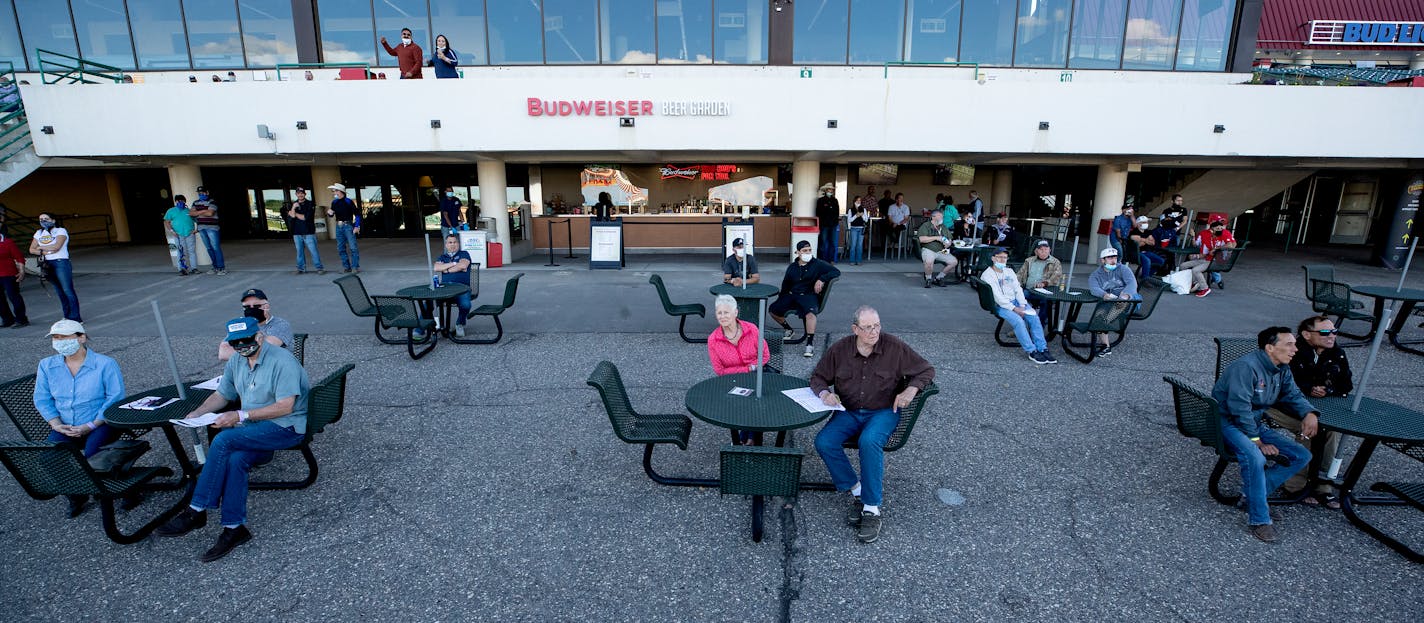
<point x="177" y="379"/>
<point x="1374" y="350"/>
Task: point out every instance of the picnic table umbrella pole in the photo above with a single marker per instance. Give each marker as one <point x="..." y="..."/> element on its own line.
<point x="1370" y="363"/>
<point x="1407" y="260"/>
<point x="761" y="339"/>
<point x="429" y="265"/>
<point x="177" y="379"/>
<point x="1068" y="281"/>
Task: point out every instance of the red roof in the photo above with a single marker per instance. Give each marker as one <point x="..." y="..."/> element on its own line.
<point x="1285" y="24"/>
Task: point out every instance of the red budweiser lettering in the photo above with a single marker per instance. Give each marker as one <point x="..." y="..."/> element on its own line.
<point x="586" y="108"/>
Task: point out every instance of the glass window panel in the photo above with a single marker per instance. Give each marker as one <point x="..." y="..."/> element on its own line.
<point x="158" y="34"/>
<point x="10" y="49"/>
<point x="392" y="16"/>
<point x="268" y="32"/>
<point x="988" y="32"/>
<point x="45" y="24"/>
<point x="877" y="31"/>
<point x="103" y="29"/>
<point x="740" y="34"/>
<point x="347" y="34"/>
<point x="212" y="33"/>
<point x="1151" y="39"/>
<point x="820" y="32"/>
<point x="934" y="31"/>
<point x="570" y="31"/>
<point x="463" y="24"/>
<point x="1043" y="33"/>
<point x="1206" y="31"/>
<point x="626" y="27"/>
<point x="1097" y="34"/>
<point x="516" y="36"/>
<point x="684" y="31"/>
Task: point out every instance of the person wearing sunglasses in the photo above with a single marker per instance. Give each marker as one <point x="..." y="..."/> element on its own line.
<point x="273" y="389"/>
<point x="1320" y="369"/>
<point x="275" y="330"/>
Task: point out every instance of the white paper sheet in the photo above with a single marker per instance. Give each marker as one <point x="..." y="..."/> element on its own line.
<point x="809" y="400"/>
<point x="197" y="422"/>
<point x="149" y="403"/>
<point x="210" y="384"/>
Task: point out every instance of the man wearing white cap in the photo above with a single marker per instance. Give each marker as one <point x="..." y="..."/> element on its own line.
<point x="348" y="224"/>
<point x="273" y="389"/>
<point x="72" y="391"/>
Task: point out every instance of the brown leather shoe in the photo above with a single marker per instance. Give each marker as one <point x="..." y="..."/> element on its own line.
<point x="1265" y="532"/>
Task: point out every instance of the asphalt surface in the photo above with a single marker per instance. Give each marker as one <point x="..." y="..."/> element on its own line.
<point x="484" y="482"/>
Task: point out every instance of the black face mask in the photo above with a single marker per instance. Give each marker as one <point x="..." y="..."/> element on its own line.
<point x="255" y="313"/>
<point x="246" y="348"/>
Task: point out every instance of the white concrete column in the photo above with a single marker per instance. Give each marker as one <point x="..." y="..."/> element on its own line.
<point x="321" y="178"/>
<point x="1003" y="191"/>
<point x="805" y="180"/>
<point x="843" y="187"/>
<point x="116" y="208"/>
<point x="1107" y="202"/>
<point x="536" y="190"/>
<point x="493" y="199"/>
<point x="184" y="179"/>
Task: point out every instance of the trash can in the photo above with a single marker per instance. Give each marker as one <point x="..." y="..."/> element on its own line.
<point x="495" y="254"/>
<point x="804" y="228"/>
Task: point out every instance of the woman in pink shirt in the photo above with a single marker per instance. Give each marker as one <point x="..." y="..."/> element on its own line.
<point x="732" y="346"/>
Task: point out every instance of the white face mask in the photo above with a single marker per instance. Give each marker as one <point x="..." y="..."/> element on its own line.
<point x="405" y="40"/>
<point x="441" y="46"/>
<point x="1142" y="226"/>
<point x="805" y="257"/>
<point x="741" y="252"/>
<point x="65" y="347"/>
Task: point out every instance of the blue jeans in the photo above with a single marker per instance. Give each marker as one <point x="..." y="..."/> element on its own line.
<point x="857" y="244"/>
<point x="224" y="476"/>
<point x="1150" y="262"/>
<point x="463" y="303"/>
<point x="98" y="438"/>
<point x="1257" y="480"/>
<point x="309" y="241"/>
<point x="187" y="252"/>
<point x="872" y="429"/>
<point x="1115" y="243"/>
<point x="1028" y="330"/>
<point x="62" y="273"/>
<point x="214" y="246"/>
<point x="346" y="245"/>
<point x="830" y="243"/>
<point x="14" y="311"/>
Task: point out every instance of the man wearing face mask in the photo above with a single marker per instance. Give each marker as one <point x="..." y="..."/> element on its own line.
<point x="348" y="225"/>
<point x="302" y="223"/>
<point x="449" y="212"/>
<point x="51" y="244"/>
<point x="740" y="263"/>
<point x="408" y="55"/>
<point x="1111" y="282"/>
<point x="275" y="330"/>
<point x="12" y="272"/>
<point x="1146" y="243"/>
<point x="800" y="290"/>
<point x="934" y="247"/>
<point x="273" y="389"/>
<point x="828" y="212"/>
<point x="72" y="391"/>
<point x="180" y="227"/>
<point x="1014" y="309"/>
<point x="205" y="213"/>
<point x="1214" y="239"/>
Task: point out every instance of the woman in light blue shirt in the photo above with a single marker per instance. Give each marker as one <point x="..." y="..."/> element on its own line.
<point x="72" y="391"/>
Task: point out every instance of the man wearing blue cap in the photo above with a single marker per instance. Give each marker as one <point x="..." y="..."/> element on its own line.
<point x="273" y="388"/>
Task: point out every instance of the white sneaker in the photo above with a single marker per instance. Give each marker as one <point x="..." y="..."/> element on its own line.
<point x="810" y="351"/>
<point x="459" y="330"/>
<point x="790" y="333"/>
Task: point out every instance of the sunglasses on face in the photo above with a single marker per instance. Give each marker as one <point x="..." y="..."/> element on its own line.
<point x="1326" y="332"/>
<point x="241" y="344"/>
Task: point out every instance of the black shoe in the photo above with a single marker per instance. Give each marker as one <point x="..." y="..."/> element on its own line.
<point x="942" y="282"/>
<point x="1104" y="351"/>
<point x="186" y="521"/>
<point x="20" y="324"/>
<point x="927" y="284"/>
<point x="869" y="527"/>
<point x="1047" y="357"/>
<point x="230" y="538"/>
<point x="1036" y="358"/>
<point x="77" y="504"/>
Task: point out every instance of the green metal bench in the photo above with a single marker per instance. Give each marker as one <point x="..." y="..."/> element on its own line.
<point x="1229" y="349"/>
<point x="1223" y="260"/>
<point x="299" y="348"/>
<point x="511" y="289"/>
<point x="46" y="471"/>
<point x="326" y="402"/>
<point x="1323" y="272"/>
<point x="821" y="300"/>
<point x="361" y="304"/>
<point x="681" y="312"/>
<point x="986" y="303"/>
<point x="399" y="312"/>
<point x="909" y="416"/>
<point x="1199" y="417"/>
<point x="760" y="471"/>
<point x="1332" y="298"/>
<point x="637" y="428"/>
<point x="1108" y="317"/>
<point x="17" y="400"/>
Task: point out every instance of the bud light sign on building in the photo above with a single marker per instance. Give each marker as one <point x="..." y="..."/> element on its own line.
<point x="1326" y="32"/>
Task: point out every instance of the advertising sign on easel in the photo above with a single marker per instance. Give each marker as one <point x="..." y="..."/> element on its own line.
<point x="474" y="243"/>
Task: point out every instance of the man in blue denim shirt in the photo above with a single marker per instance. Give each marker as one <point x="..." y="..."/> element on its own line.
<point x="273" y="388"/>
<point x="1245" y="391"/>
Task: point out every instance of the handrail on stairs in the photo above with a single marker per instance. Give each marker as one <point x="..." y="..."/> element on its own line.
<point x="57" y="66"/>
<point x="14" y="127"/>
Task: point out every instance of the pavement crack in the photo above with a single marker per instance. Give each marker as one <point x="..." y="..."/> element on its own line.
<point x="792" y="573"/>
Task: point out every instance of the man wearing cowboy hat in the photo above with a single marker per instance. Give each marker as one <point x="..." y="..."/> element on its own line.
<point x="348" y="224"/>
<point x="828" y="212"/>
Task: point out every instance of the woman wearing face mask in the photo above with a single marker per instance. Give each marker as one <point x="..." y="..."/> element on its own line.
<point x="857" y="219"/>
<point x="1112" y="282"/>
<point x="964" y="228"/>
<point x="72" y="391"/>
<point x="51" y="244"/>
<point x="444" y="60"/>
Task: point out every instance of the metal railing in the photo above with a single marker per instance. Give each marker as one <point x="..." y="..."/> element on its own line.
<point x="19" y="224"/>
<point x="365" y="67"/>
<point x="888" y="64"/>
<point x="56" y="67"/>
<point x="14" y="127"/>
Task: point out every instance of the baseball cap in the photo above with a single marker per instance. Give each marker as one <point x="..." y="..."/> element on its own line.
<point x="65" y="327"/>
<point x="1043" y="243"/>
<point x="340" y="187"/>
<point x="240" y="328"/>
<point x="299" y="189"/>
<point x="1001" y="215"/>
<point x="1218" y="221"/>
<point x="1108" y="252"/>
<point x="253" y="292"/>
<point x="1142" y="219"/>
<point x="738" y="242"/>
<point x="804" y="244"/>
<point x="202" y="189"/>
